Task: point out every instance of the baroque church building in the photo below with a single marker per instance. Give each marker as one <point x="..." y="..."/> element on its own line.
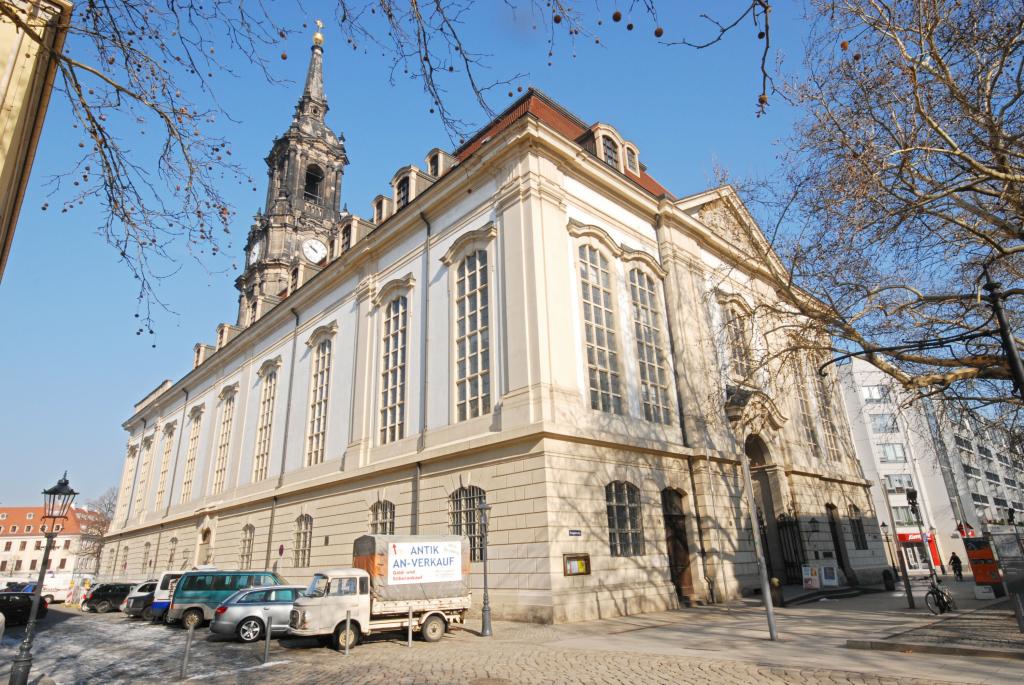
<point x="530" y="321"/>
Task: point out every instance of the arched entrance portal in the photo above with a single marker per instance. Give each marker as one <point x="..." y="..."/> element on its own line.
<point x="780" y="532"/>
<point x="678" y="547"/>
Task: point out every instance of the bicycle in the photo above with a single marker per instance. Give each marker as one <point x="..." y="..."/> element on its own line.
<point x="938" y="599"/>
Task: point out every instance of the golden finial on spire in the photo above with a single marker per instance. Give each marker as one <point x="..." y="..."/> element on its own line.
<point x="318" y="38"/>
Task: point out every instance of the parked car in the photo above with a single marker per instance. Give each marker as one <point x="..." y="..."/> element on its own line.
<point x="247" y="613"/>
<point x="163" y="592"/>
<point x="16" y="606"/>
<point x="14" y="586"/>
<point x="105" y="597"/>
<point x="197" y="594"/>
<point x="139" y="601"/>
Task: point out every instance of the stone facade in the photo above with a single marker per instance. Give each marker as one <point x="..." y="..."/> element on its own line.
<point x="534" y="321"/>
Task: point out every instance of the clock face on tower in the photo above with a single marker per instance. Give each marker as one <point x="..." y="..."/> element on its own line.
<point x="254" y="252"/>
<point x="314" y="250"/>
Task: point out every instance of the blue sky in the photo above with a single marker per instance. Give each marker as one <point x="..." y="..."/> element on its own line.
<point x="71" y="366"/>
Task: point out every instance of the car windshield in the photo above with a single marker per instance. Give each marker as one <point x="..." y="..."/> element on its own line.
<point x="318" y="587"/>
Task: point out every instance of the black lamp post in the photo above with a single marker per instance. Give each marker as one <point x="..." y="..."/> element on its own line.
<point x="485" y="612"/>
<point x="912" y="502"/>
<point x="56" y="503"/>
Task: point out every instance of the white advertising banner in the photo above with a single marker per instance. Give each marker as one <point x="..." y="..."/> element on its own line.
<point x="416" y="562"/>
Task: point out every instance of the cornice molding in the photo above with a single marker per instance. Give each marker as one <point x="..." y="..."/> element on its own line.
<point x="392" y="287"/>
<point x="326" y="330"/>
<point x="228" y="391"/>
<point x="578" y="229"/>
<point x="196" y="411"/>
<point x="269" y="366"/>
<point x="469" y="242"/>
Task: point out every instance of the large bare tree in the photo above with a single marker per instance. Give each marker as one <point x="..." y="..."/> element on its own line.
<point x="95" y="522"/>
<point x="902" y="191"/>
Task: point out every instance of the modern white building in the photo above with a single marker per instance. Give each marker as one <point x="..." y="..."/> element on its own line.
<point x="966" y="471"/>
<point x="530" y="321"/>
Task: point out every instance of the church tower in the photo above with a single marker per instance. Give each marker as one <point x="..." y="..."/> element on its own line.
<point x="288" y="240"/>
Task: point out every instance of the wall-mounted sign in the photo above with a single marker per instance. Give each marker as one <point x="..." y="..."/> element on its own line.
<point x="575" y="533"/>
<point x="576" y="564"/>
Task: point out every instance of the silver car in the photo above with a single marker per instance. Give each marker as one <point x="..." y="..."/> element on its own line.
<point x="247" y="612"/>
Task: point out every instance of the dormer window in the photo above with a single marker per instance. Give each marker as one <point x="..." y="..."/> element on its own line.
<point x="402" y="192"/>
<point x="314" y="184"/>
<point x="30" y="515"/>
<point x="435" y="165"/>
<point x="346" y="239"/>
<point x="380" y="211"/>
<point x="611" y="151"/>
<point x="631" y="161"/>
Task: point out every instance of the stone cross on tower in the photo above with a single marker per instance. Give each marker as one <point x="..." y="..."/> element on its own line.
<point x="289" y="239"/>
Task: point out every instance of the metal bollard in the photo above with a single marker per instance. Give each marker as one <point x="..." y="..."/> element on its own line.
<point x="409" y="639"/>
<point x="266" y="643"/>
<point x="348" y="629"/>
<point x="188" y="648"/>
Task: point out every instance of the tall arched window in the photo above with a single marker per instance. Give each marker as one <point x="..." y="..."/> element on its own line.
<point x="245" y="550"/>
<point x="172" y="547"/>
<point x="464" y="512"/>
<point x="165" y="465"/>
<point x="392" y="375"/>
<point x="130" y="464"/>
<point x="737" y="337"/>
<point x="319" y="391"/>
<point x="611" y="151"/>
<point x="303" y="541"/>
<point x="191" y="454"/>
<point x="145" y="557"/>
<point x="649" y="351"/>
<point x="826" y="410"/>
<point x="382" y="518"/>
<point x="122" y="567"/>
<point x="625" y="519"/>
<point x="140" y="487"/>
<point x="472" y="338"/>
<point x="313" y="190"/>
<point x="402" y="194"/>
<point x="227" y="416"/>
<point x="599" y="326"/>
<point x="268" y="393"/>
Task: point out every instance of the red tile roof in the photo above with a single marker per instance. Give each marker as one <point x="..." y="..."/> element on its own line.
<point x="537" y="104"/>
<point x="19" y="516"/>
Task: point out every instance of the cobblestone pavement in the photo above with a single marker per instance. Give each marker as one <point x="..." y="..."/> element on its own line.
<point x="994" y="627"/>
<point x="89" y="648"/>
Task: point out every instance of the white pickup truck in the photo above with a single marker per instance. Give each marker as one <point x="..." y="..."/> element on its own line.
<point x="428" y="577"/>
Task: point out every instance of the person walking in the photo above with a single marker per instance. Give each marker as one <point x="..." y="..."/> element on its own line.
<point x="957" y="566"/>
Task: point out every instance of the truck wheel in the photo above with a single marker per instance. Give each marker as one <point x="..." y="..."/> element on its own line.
<point x="433" y="628"/>
<point x="193" y="618"/>
<point x="341" y="636"/>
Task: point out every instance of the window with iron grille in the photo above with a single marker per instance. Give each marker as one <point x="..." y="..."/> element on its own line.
<point x="268" y="393"/>
<point x="599" y="326"/>
<point x="140" y="488"/>
<point x="625" y="519"/>
<point x="403" y="192"/>
<point x="464" y="512"/>
<point x="382" y="518"/>
<point x="245" y="551"/>
<point x="860" y="538"/>
<point x="317" y="439"/>
<point x="190" y="457"/>
<point x="611" y="151"/>
<point x="649" y="351"/>
<point x="303" y="541"/>
<point x="472" y="338"/>
<point x="392" y="377"/>
<point x="220" y="465"/>
<point x="165" y="465"/>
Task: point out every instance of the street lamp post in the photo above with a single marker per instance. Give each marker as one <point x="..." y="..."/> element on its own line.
<point x="485" y="612"/>
<point x="57" y="500"/>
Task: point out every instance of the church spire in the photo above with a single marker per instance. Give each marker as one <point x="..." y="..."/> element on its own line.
<point x="313" y="101"/>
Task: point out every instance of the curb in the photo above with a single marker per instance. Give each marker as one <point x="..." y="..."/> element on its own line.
<point x="920" y="648"/>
